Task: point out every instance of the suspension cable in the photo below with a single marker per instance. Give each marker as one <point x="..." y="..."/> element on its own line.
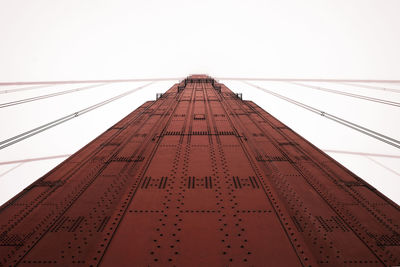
<point x="373" y="87"/>
<point x="367" y="98"/>
<point x="44" y="127"/>
<point x="92" y="81"/>
<point x="31" y="99"/>
<point x="366" y="131"/>
<point x="383" y="166"/>
<point x="24" y="89"/>
<point x="34" y="159"/>
<point x="357" y="153"/>
<point x="11" y="169"/>
<point x="306" y="80"/>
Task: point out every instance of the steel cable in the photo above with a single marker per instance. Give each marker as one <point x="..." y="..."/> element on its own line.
<point x="91" y="81"/>
<point x="367" y="98"/>
<point x="24" y="89"/>
<point x="34" y="159"/>
<point x="36" y="98"/>
<point x="383" y="166"/>
<point x="305" y="80"/>
<point x="373" y="87"/>
<point x="357" y="153"/>
<point x="354" y="126"/>
<point x="27" y="134"/>
<point x="11" y="169"/>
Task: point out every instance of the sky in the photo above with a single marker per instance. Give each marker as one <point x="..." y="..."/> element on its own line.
<point x="46" y="40"/>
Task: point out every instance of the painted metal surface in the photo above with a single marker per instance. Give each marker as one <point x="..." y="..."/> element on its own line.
<point x="200" y="178"/>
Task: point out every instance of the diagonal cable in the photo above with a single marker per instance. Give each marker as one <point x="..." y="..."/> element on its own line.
<point x="373" y="87"/>
<point x="354" y="126"/>
<point x="271" y="79"/>
<point x="92" y="81"/>
<point x="24" y="89"/>
<point x="35" y="159"/>
<point x="36" y="98"/>
<point x="11" y="169"/>
<point x="367" y="98"/>
<point x="383" y="166"/>
<point x="44" y="127"/>
<point x="356" y="153"/>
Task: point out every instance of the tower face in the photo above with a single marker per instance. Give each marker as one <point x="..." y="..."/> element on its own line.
<point x="200" y="178"/>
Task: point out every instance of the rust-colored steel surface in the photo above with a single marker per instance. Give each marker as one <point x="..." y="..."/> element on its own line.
<point x="200" y="177"/>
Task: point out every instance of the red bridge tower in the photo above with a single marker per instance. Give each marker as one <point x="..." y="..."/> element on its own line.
<point x="199" y="177"/>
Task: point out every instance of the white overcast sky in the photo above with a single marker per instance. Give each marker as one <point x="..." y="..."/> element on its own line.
<point x="97" y="39"/>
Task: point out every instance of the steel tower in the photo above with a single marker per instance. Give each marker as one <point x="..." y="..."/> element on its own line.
<point x="200" y="177"/>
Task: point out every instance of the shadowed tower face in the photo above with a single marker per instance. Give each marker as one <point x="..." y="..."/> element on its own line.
<point x="200" y="177"/>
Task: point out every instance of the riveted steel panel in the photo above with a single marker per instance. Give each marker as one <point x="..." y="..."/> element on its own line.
<point x="200" y="178"/>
